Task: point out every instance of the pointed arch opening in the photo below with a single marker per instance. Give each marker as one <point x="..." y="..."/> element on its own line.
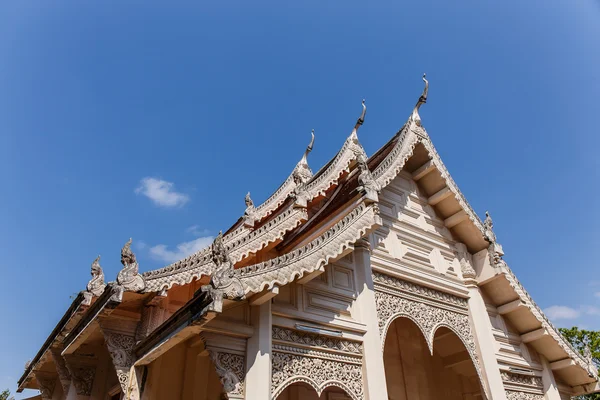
<point x="418" y="368"/>
<point x="304" y="391"/>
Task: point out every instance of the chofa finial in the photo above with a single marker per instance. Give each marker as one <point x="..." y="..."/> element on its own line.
<point x="302" y="173"/>
<point x="310" y="145"/>
<point x="361" y="119"/>
<point x="422" y="100"/>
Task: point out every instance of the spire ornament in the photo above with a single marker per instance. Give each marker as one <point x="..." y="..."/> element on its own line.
<point x="96" y="285"/>
<point x="223" y="282"/>
<point x="129" y="277"/>
<point x="422" y="100"/>
<point x="494" y="249"/>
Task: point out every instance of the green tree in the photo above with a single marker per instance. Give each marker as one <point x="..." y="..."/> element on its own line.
<point x="583" y="340"/>
<point x="4" y="395"/>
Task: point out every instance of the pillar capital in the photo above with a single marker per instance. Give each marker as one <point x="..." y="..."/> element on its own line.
<point x="46" y="382"/>
<point x="82" y="369"/>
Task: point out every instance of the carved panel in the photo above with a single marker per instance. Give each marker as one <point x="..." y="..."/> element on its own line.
<point x="313" y="340"/>
<point x="512" y="395"/>
<point x="529" y="380"/>
<point x="83" y="379"/>
<point x="316" y="372"/>
<point x="232" y="371"/>
<point x="120" y="347"/>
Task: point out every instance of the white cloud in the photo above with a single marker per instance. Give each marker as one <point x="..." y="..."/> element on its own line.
<point x="196" y="231"/>
<point x="182" y="250"/>
<point x="161" y="192"/>
<point x="562" y="312"/>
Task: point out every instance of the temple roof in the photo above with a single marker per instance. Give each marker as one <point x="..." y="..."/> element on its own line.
<point x="314" y="219"/>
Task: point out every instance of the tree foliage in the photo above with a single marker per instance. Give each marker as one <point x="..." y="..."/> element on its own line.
<point x="579" y="339"/>
<point x="4" y="395"/>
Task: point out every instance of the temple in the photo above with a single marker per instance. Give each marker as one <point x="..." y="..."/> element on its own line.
<point x="372" y="279"/>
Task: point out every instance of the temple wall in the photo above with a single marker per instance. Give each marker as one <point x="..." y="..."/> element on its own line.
<point x="412" y="236"/>
<point x="184" y="372"/>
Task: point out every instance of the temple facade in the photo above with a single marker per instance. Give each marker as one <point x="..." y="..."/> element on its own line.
<point x="372" y="279"/>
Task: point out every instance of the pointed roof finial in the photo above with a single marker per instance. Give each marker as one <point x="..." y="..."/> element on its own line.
<point x="308" y="149"/>
<point x="422" y="100"/>
<point x="302" y="173"/>
<point x="361" y="119"/>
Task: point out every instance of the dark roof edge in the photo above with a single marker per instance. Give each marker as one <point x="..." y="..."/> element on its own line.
<point x="194" y="309"/>
<point x="57" y="329"/>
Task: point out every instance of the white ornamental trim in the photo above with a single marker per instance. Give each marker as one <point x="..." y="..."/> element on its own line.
<point x="541" y="317"/>
<point x="270" y="232"/>
<point x="458" y="195"/>
<point x="393" y="163"/>
<point x="316" y="254"/>
<point x="317" y="373"/>
<point x="340" y="164"/>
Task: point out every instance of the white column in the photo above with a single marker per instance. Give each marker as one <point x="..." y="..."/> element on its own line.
<point x="486" y="344"/>
<point x="373" y="368"/>
<point x="258" y="356"/>
<point x="550" y="388"/>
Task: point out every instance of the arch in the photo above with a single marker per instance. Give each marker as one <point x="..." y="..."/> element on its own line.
<point x="435" y="364"/>
<point x="393" y="318"/>
<point x="318" y="389"/>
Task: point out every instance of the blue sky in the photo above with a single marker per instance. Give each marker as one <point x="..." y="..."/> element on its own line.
<point x="137" y="119"/>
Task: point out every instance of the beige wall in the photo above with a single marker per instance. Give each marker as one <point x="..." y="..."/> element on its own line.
<point x="184" y="373"/>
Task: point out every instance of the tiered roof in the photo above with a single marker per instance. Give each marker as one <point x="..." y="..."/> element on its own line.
<point x="311" y="220"/>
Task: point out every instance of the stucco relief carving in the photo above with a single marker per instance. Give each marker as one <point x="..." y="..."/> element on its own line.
<point x="96" y="285"/>
<point x="231" y="370"/>
<point x="316" y="372"/>
<point x="366" y="181"/>
<point x="392" y="303"/>
<point x="249" y="214"/>
<point x="314" y="340"/>
<point x="521" y="379"/>
<point x="223" y="283"/>
<point x="120" y="348"/>
<point x="129" y="277"/>
<point x="83" y="378"/>
<point x="513" y="395"/>
<point x="466" y="262"/>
